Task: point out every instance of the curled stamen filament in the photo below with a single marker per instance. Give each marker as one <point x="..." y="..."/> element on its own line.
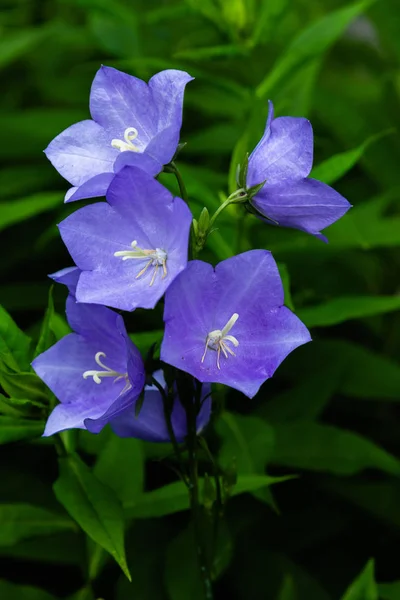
<point x="107" y="372"/>
<point x="130" y="134"/>
<point x="156" y="258"/>
<point x="218" y="338"/>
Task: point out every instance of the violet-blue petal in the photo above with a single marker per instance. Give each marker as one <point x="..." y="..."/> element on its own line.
<point x="119" y="101"/>
<point x="140" y="209"/>
<point x="285" y="152"/>
<point x="68" y="276"/>
<point x="308" y="205"/>
<point x="201" y="301"/>
<point x="95" y="187"/>
<point x="81" y="152"/>
<point x="101" y="326"/>
<point x="61" y="367"/>
<point x="142" y="160"/>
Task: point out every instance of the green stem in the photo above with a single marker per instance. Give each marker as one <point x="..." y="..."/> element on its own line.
<point x="238" y="195"/>
<point x="181" y="183"/>
<point x="195" y="506"/>
<point x="171" y="433"/>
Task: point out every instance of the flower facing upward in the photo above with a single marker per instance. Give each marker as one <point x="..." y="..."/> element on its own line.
<point x="130" y="249"/>
<point x="133" y="123"/>
<point x="150" y="424"/>
<point x="96" y="373"/>
<point x="283" y="159"/>
<point x="228" y="325"/>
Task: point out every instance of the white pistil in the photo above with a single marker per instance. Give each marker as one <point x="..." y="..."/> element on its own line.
<point x="107" y="372"/>
<point x="218" y="338"/>
<point x="130" y="134"/>
<point x="155" y="258"/>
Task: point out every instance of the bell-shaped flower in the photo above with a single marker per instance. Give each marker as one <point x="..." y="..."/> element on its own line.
<point x="96" y="373"/>
<point x="129" y="249"/>
<point x="228" y="324"/>
<point x="132" y="123"/>
<point x="150" y="423"/>
<point x="283" y="159"/>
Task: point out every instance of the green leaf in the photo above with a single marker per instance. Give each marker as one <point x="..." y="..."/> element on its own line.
<point x="145" y="339"/>
<point x="121" y="467"/>
<point x="19" y="43"/>
<point x="85" y="593"/>
<point x="249" y="442"/>
<point x="93" y="505"/>
<point x="21" y="521"/>
<point x="345" y="308"/>
<point x="389" y="591"/>
<point x="210" y="52"/>
<point x="311" y="43"/>
<point x="379" y="498"/>
<point x="46" y="338"/>
<point x="284" y="273"/>
<point x="14" y="344"/>
<point x="269" y="14"/>
<point x="366" y="374"/>
<point x="182" y="575"/>
<point x="325" y="448"/>
<point x="19" y="210"/>
<point x="307" y="399"/>
<point x="14" y="429"/>
<point x="12" y="591"/>
<point x="115" y="35"/>
<point x="174" y="497"/>
<point x="288" y="590"/>
<point x="23" y="385"/>
<point x="338" y="165"/>
<point x="364" y="586"/>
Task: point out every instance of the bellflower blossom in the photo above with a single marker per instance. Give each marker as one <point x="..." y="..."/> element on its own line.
<point x="132" y="123"/>
<point x="129" y="249"/>
<point x="283" y="159"/>
<point x="150" y="424"/>
<point x="228" y="324"/>
<point x="97" y="372"/>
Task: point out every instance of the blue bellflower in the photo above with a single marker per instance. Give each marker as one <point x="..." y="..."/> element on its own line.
<point x="228" y="325"/>
<point x="283" y="159"/>
<point x="133" y="123"/>
<point x="97" y="373"/>
<point x="130" y="249"/>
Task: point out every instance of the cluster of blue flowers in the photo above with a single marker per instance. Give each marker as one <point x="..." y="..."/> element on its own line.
<point x="222" y="325"/>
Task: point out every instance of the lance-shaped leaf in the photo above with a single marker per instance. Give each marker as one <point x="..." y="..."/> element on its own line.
<point x="93" y="505"/>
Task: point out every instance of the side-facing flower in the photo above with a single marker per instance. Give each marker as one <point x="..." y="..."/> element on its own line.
<point x="150" y="423"/>
<point x="132" y="123"/>
<point x="283" y="159"/>
<point x="228" y="324"/>
<point x="129" y="249"/>
<point x="96" y="372"/>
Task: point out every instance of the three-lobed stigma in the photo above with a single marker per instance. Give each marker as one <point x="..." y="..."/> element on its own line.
<point x="156" y="258"/>
<point x="130" y="134"/>
<point x="218" y="339"/>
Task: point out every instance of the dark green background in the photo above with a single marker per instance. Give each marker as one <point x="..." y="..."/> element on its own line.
<point x="330" y="415"/>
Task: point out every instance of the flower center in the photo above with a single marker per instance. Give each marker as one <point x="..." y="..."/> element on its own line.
<point x="155" y="258"/>
<point x="130" y="134"/>
<point x="107" y="372"/>
<point x="218" y="339"/>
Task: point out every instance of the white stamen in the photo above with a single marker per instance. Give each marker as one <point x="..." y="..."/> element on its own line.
<point x="130" y="134"/>
<point x="155" y="258"/>
<point x="217" y="340"/>
<point x="107" y="372"/>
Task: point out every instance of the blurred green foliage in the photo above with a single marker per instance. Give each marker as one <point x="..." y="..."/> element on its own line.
<point x="329" y="416"/>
